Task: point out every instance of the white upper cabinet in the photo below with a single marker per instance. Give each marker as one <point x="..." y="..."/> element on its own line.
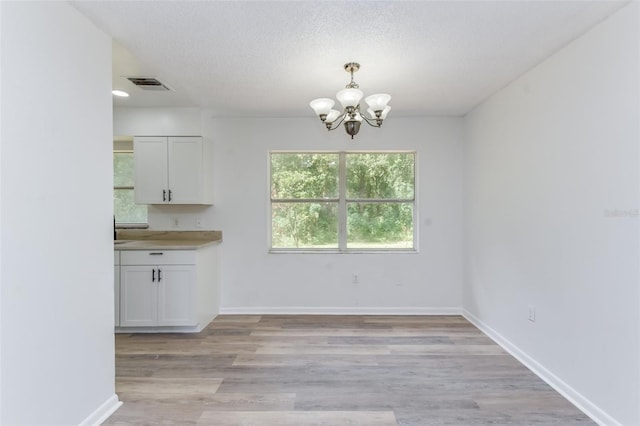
<point x="150" y="170"/>
<point x="172" y="170"/>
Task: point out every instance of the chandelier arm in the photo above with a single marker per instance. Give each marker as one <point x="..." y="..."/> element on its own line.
<point x="336" y="122"/>
<point x="371" y="122"/>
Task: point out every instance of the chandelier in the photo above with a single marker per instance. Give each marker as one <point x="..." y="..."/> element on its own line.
<point x="350" y="98"/>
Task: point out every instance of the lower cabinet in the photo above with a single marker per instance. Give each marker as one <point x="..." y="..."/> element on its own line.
<point x="157" y="295"/>
<point x="167" y="290"/>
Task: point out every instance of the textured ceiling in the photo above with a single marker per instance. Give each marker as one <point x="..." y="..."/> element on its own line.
<point x="270" y="58"/>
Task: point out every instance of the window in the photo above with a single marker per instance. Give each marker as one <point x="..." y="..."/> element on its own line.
<point x="124" y="209"/>
<point x="342" y="201"/>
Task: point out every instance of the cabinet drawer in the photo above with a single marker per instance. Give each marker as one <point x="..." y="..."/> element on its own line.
<point x="158" y="257"/>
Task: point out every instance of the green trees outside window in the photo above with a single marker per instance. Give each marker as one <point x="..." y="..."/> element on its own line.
<point x="124" y="209"/>
<point x="354" y="200"/>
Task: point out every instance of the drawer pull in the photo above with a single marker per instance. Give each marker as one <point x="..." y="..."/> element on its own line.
<point x="158" y="253"/>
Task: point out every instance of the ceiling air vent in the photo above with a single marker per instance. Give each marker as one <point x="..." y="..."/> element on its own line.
<point x="148" y="83"/>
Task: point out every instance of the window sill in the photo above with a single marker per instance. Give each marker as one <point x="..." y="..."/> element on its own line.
<point x="352" y="251"/>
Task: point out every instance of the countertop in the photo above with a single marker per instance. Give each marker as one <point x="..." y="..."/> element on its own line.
<point x="161" y="244"/>
<point x="165" y="240"/>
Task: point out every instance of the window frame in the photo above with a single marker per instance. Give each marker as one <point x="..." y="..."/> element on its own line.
<point x="342" y="203"/>
<point x="131" y="225"/>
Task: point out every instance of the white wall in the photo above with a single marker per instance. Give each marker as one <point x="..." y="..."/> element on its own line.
<point x="56" y="191"/>
<point x="157" y="122"/>
<point x="549" y="159"/>
<point x="255" y="281"/>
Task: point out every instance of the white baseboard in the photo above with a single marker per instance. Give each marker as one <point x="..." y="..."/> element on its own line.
<point x="575" y="397"/>
<point x="204" y="321"/>
<point x="286" y="310"/>
<point x="102" y="413"/>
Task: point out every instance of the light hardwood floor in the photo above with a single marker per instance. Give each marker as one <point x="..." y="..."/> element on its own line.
<point x="330" y="370"/>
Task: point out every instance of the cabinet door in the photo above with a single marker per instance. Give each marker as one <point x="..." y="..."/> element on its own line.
<point x="186" y="175"/>
<point x="150" y="170"/>
<point x="138" y="296"/>
<point x="176" y="295"/>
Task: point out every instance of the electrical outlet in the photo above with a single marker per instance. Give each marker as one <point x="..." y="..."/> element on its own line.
<point x="355" y="279"/>
<point x="198" y="222"/>
<point x="532" y="313"/>
<point x="176" y="222"/>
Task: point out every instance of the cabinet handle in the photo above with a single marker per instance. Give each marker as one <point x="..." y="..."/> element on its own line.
<point x="169" y="195"/>
<point x="159" y="276"/>
<point x="153" y="275"/>
<point x="156" y="253"/>
<point x="164" y="195"/>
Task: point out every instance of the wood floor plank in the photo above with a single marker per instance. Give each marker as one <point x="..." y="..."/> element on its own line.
<point x="313" y="360"/>
<point x="167" y="389"/>
<point x="355" y="332"/>
<point x="270" y="401"/>
<point x="164" y="413"/>
<point x="294" y="349"/>
<point x="446" y="349"/>
<point x="298" y="418"/>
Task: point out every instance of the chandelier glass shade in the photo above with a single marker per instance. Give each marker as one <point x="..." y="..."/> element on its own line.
<point x="350" y="98"/>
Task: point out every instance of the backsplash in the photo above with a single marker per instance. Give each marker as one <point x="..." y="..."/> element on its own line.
<point x="180" y="217"/>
